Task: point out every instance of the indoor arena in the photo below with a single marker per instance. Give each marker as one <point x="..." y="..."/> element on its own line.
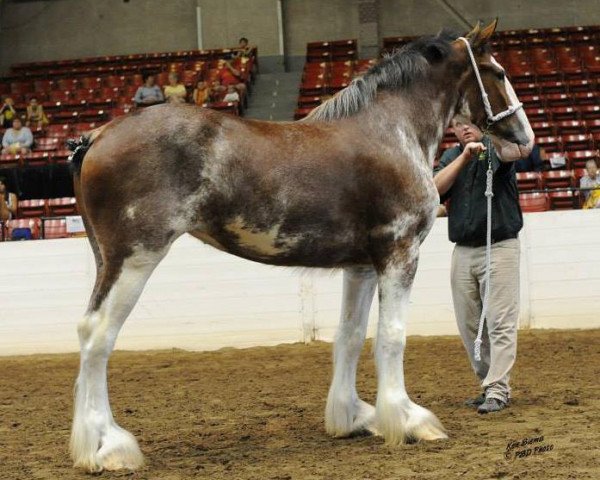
<point x="299" y="239"/>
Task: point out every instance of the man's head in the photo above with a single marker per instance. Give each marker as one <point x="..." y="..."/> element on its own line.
<point x="591" y="168"/>
<point x="173" y="78"/>
<point x="2" y="185"/>
<point x="17" y="124"/>
<point x="243" y="42"/>
<point x="149" y="80"/>
<point x="230" y="89"/>
<point x="9" y="101"/>
<point x="33" y="101"/>
<point x="465" y="131"/>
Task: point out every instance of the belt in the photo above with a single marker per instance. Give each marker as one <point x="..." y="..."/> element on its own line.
<point x="481" y="243"/>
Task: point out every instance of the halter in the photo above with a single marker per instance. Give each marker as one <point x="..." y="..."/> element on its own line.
<point x="491" y="118"/>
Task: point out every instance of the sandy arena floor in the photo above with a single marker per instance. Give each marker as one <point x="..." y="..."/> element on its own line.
<point x="258" y="414"/>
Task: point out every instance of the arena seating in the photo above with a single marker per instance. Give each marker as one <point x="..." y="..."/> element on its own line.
<point x="554" y="72"/>
<point x="81" y="94"/>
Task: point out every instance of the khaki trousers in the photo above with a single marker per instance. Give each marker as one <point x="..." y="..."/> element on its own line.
<point x="499" y="347"/>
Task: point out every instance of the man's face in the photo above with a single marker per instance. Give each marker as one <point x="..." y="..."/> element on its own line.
<point x="591" y="168"/>
<point x="17" y="124"/>
<point x="150" y="81"/>
<point x="466" y="132"/>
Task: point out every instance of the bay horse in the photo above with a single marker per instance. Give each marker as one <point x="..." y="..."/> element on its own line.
<point x="349" y="187"/>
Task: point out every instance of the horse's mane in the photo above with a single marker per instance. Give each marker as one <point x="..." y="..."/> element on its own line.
<point x="396" y="71"/>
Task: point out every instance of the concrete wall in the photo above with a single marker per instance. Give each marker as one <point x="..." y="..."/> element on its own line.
<point x="62" y="29"/>
<point x="200" y="299"/>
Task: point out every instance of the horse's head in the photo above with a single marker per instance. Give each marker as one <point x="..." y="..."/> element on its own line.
<point x="487" y="97"/>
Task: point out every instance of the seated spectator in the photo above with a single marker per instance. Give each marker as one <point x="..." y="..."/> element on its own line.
<point x="534" y="162"/>
<point x="232" y="95"/>
<point x="591" y="180"/>
<point x="8" y="201"/>
<point x="17" y="139"/>
<point x="149" y="93"/>
<point x="35" y="114"/>
<point x="7" y="113"/>
<point x="217" y="91"/>
<point x="201" y="94"/>
<point x="175" y="92"/>
<point x="230" y="76"/>
<point x="243" y="50"/>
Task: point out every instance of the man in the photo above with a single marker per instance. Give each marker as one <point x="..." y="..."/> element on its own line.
<point x="461" y="176"/>
<point x="149" y="93"/>
<point x="591" y="180"/>
<point x="17" y="139"/>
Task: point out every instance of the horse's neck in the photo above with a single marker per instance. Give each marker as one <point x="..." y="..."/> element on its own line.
<point x="414" y="122"/>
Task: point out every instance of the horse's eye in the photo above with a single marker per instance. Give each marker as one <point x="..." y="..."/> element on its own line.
<point x="501" y="75"/>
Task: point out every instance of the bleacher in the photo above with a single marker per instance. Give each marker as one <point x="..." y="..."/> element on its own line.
<point x="555" y="74"/>
<point x="79" y="95"/>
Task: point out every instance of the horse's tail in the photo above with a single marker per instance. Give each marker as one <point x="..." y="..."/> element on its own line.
<point x="80" y="147"/>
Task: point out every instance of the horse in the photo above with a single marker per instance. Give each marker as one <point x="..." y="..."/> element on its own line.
<point x="349" y="187"/>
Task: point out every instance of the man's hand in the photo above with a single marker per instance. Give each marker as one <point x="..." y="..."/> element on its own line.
<point x="473" y="148"/>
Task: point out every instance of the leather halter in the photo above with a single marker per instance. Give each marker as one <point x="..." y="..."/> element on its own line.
<point x="491" y="118"/>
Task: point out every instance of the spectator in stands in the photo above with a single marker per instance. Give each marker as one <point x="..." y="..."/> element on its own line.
<point x="8" y="201"/>
<point x="230" y="76"/>
<point x="217" y="91"/>
<point x="175" y="92"/>
<point x="201" y="94"/>
<point x="35" y="114"/>
<point x="244" y="50"/>
<point x="17" y="139"/>
<point x="534" y="162"/>
<point x="149" y="93"/>
<point x="591" y="180"/>
<point x="232" y="95"/>
<point x="461" y="176"/>
<point x="7" y="112"/>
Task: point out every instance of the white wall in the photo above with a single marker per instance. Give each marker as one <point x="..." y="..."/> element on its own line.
<point x="202" y="299"/>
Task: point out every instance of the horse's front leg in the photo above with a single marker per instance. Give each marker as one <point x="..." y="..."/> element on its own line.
<point x="97" y="441"/>
<point x="398" y="418"/>
<point x="345" y="412"/>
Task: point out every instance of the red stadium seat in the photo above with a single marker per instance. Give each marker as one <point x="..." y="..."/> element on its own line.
<point x="590" y="112"/>
<point x="534" y="202"/>
<point x="529" y="180"/>
<point x="55" y="228"/>
<point x="550" y="144"/>
<point x="46" y="144"/>
<point x="9" y="161"/>
<point x="32" y="208"/>
<point x="557" y="179"/>
<point x="37" y="159"/>
<point x="577" y="142"/>
<point x="543" y="129"/>
<point x="571" y="127"/>
<point x="563" y="200"/>
<point x="62" y="206"/>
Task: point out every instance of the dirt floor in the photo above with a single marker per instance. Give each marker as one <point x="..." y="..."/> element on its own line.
<point x="258" y="414"/>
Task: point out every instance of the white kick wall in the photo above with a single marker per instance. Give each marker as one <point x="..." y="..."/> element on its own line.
<point x="201" y="299"/>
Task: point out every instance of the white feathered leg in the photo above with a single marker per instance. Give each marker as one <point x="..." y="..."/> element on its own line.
<point x="398" y="418"/>
<point x="97" y="442"/>
<point x="345" y="412"/>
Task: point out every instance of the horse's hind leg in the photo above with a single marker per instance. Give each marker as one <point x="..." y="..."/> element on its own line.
<point x="345" y="412"/>
<point x="398" y="418"/>
<point x="97" y="442"/>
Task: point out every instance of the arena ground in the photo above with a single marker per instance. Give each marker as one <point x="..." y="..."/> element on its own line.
<point x="258" y="414"/>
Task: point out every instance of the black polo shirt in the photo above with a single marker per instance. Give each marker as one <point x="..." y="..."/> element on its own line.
<point x="467" y="212"/>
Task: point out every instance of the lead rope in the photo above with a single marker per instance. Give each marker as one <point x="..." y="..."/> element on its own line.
<point x="488" y="252"/>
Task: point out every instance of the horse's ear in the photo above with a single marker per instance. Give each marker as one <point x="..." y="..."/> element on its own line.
<point x="488" y="31"/>
<point x="480" y="36"/>
<point x="473" y="34"/>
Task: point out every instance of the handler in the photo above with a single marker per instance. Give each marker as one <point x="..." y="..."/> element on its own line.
<point x="461" y="177"/>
